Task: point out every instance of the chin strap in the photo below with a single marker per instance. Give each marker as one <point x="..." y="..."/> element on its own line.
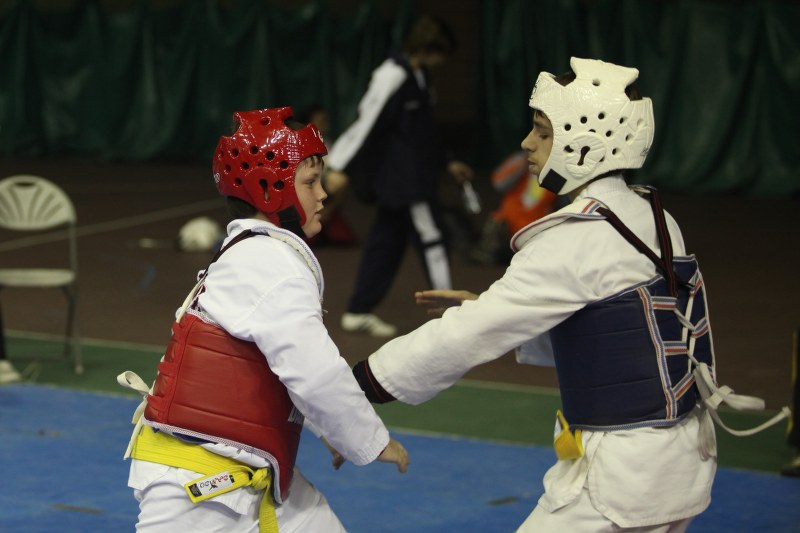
<point x="289" y="218"/>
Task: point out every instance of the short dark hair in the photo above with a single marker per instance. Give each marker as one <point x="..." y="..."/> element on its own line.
<point x="430" y="34"/>
<point x="238" y="208"/>
<point x="632" y="90"/>
<point x="305" y="114"/>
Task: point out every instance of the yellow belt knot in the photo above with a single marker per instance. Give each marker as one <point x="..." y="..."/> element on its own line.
<point x="261" y="479"/>
<point x="220" y="474"/>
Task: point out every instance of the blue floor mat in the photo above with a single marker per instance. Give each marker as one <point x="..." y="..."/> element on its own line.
<point x="61" y="460"/>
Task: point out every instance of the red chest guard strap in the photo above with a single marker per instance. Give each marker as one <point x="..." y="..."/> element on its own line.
<point x="220" y="388"/>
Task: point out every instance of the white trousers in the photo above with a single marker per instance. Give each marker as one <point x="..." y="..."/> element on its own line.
<point x="164" y="507"/>
<point x="580" y="516"/>
<point x="434" y="251"/>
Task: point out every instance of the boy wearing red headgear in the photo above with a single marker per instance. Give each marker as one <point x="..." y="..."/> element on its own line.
<point x="250" y="358"/>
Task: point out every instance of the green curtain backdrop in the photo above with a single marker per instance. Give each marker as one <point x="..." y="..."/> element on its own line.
<point x="161" y="79"/>
<point x="136" y="79"/>
<point x="724" y="77"/>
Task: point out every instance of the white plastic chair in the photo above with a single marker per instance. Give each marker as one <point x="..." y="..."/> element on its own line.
<point x="34" y="204"/>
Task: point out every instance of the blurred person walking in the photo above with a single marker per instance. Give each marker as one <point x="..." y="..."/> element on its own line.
<point x="393" y="156"/>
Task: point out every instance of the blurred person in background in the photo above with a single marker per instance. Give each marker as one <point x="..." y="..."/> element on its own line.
<point x="523" y="202"/>
<point x="393" y="156"/>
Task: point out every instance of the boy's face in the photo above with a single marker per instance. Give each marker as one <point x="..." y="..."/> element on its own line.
<point x="539" y="143"/>
<point x="308" y="186"/>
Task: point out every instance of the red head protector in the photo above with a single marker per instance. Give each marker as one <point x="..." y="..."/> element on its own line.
<point x="262" y="155"/>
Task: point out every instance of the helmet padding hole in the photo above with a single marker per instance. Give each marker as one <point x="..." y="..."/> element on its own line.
<point x="254" y="149"/>
<point x="284" y="164"/>
<point x="584" y="151"/>
<point x="278" y="185"/>
<point x="270" y="156"/>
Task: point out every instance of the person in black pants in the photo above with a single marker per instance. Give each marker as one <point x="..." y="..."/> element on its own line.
<point x="392" y="155"/>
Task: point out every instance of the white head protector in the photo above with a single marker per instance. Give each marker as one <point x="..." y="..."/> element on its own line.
<point x="596" y="127"/>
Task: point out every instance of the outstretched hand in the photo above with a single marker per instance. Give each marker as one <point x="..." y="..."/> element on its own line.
<point x="437" y="301"/>
<point x="338" y="459"/>
<point x="335" y="181"/>
<point x="460" y="171"/>
<point x="395" y="453"/>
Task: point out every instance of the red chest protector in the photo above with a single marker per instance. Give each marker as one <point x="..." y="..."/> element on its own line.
<point x="216" y="387"/>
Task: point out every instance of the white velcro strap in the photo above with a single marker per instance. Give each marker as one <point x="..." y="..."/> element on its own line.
<point x="131" y="380"/>
<point x="714" y="396"/>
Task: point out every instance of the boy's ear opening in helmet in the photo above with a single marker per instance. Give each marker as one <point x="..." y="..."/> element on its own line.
<point x="238" y="208"/>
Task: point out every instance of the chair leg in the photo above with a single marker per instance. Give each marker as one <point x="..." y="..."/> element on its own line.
<point x="72" y="346"/>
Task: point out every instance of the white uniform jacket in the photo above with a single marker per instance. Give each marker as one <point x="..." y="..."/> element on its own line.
<point x="265" y="291"/>
<point x="634" y="477"/>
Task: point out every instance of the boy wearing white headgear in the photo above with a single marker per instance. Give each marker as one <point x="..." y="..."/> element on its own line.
<point x="604" y="291"/>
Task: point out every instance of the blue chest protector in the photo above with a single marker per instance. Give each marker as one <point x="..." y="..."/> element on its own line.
<point x="626" y="361"/>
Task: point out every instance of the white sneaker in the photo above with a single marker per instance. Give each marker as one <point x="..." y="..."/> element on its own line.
<point x="367" y="323"/>
<point x="8" y="373"/>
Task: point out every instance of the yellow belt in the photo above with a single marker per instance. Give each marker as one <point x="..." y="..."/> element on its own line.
<point x="568" y="443"/>
<point x="220" y="474"/>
